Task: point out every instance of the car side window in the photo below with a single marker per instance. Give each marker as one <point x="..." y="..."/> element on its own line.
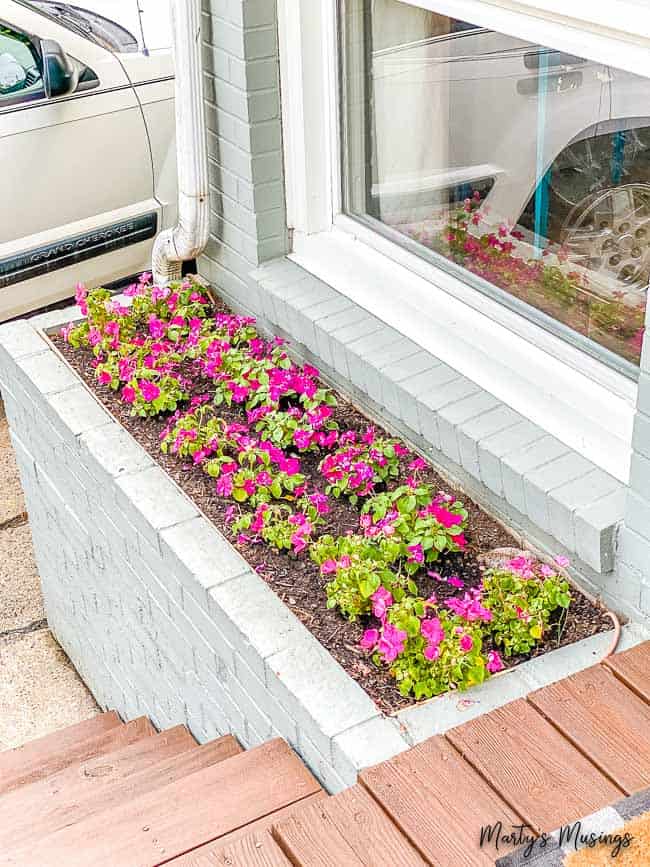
<point x="21" y="74"/>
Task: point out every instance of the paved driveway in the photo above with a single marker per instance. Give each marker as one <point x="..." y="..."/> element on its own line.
<point x="40" y="691"/>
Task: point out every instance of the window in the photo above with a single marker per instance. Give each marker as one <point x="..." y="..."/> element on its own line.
<point x="523" y="169"/>
<point x="20" y="68"/>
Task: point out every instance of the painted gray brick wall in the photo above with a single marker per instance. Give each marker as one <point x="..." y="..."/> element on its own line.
<point x="634" y="539"/>
<point x="242" y="86"/>
<point x="158" y="612"/>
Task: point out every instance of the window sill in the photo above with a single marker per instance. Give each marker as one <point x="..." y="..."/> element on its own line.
<point x="580" y="401"/>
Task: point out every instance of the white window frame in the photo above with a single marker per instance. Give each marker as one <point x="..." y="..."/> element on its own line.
<point x="583" y="401"/>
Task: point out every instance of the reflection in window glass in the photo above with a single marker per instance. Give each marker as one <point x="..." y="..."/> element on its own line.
<point x="527" y="167"/>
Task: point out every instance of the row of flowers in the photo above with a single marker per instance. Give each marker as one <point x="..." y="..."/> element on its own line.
<point x="166" y="351"/>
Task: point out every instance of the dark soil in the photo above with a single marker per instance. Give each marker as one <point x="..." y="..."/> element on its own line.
<point x="297" y="580"/>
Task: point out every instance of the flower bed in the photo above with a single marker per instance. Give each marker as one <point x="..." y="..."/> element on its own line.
<point x="355" y="533"/>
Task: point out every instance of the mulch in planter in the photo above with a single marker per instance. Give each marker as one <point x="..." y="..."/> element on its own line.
<point x="297" y="580"/>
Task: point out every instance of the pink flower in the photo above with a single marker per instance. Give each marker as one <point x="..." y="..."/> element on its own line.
<point x="128" y="394"/>
<point x="466" y="643"/>
<point x="431" y="652"/>
<point x="381" y="602"/>
<point x="562" y="561"/>
<point x="149" y="390"/>
<point x="264" y="479"/>
<point x="494" y="662"/>
<point x="416" y="553"/>
<point x="417" y="464"/>
<point x="320" y="502"/>
<point x="302" y="439"/>
<point x="370" y="639"/>
<point x="432" y="630"/>
<point x="94" y="336"/>
<point x="391" y="643"/>
<point x="455" y="581"/>
<point x="224" y="485"/>
<point x="345" y="562"/>
<point x="80" y="293"/>
<point x="546" y="571"/>
<point x="105" y="377"/>
<point x="298" y="542"/>
<point x="328" y="567"/>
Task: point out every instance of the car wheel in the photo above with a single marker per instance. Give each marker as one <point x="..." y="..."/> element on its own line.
<point x="608" y="232"/>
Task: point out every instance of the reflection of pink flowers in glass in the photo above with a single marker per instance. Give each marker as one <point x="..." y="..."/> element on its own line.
<point x="562" y="561"/>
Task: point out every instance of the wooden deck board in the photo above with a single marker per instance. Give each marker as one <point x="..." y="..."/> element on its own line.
<point x="257" y="849"/>
<point x="27" y="804"/>
<point x="205" y="855"/>
<point x="41" y="763"/>
<point x="311" y="839"/>
<point x="533" y="766"/>
<point x="160" y="825"/>
<point x="440" y="803"/>
<point x="633" y="668"/>
<point x="81" y="803"/>
<point x="369" y="832"/>
<point x="605" y="720"/>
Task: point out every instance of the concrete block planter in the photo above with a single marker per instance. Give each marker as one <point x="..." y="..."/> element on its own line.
<point x="162" y="616"/>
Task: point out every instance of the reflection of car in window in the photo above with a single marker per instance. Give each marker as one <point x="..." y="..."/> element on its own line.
<point x="526" y="166"/>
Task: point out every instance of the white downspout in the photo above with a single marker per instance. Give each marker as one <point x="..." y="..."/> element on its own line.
<point x="190" y="236"/>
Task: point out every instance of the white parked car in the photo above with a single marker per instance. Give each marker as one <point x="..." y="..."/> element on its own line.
<point x="87" y="144"/>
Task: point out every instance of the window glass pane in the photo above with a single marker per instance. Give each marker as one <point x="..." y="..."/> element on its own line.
<point x="20" y="73"/>
<point x="523" y="169"/>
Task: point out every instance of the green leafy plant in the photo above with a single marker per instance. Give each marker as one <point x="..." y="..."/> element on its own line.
<point x="522" y="602"/>
<point x="424" y="523"/>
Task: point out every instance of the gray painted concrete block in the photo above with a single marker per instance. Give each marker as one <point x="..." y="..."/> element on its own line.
<point x="455" y="414"/>
<point x="637" y="515"/>
<point x="440" y="714"/>
<point x="19" y="339"/>
<point x="470" y="433"/>
<point x="316" y="691"/>
<point x="113" y="451"/>
<point x="151" y="503"/>
<point x="493" y="448"/>
<point x="255" y="621"/>
<point x="523" y="460"/>
<point x="367" y="744"/>
<point x="595" y="528"/>
<point x="430" y="404"/>
<point x="397" y="376"/>
<point x="564" y="501"/>
<point x="78" y="411"/>
<point x="538" y="483"/>
<point x="46" y="373"/>
<point x="202" y="556"/>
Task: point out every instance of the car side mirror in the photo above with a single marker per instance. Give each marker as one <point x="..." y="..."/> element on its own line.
<point x="60" y="75"/>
